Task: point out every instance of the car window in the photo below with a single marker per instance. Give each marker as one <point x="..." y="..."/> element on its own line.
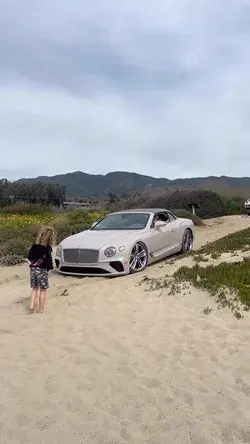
<point x="161" y="217"/>
<point x="171" y="216"/>
<point x="123" y="221"/>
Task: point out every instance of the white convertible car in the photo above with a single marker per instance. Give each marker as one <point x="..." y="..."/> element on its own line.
<point x="125" y="242"/>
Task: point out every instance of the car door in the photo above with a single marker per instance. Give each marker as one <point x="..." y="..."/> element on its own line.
<point x="172" y="236"/>
<point x="162" y="239"/>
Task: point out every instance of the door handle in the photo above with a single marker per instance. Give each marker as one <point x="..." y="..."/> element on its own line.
<point x="172" y="229"/>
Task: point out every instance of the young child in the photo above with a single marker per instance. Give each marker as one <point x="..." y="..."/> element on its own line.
<point x="40" y="262"/>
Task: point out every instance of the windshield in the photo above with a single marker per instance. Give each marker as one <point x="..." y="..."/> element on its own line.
<point x="123" y="221"/>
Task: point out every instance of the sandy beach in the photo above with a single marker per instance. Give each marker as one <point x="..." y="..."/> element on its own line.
<point x="109" y="363"/>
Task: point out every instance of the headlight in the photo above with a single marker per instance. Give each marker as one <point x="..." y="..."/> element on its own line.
<point x="110" y="251"/>
<point x="59" y="251"/>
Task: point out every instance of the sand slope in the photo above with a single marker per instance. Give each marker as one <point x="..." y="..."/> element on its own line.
<point x="111" y="363"/>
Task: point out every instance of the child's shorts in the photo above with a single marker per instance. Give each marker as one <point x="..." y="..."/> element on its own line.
<point x="39" y="278"/>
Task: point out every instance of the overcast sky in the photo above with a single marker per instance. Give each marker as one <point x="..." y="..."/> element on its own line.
<point x="157" y="87"/>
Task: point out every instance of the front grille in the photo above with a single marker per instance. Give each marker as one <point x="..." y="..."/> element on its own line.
<point x="70" y="255"/>
<point x="80" y="256"/>
<point x="88" y="256"/>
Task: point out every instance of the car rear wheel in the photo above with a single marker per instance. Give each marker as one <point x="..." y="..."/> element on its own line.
<point x="138" y="258"/>
<point x="187" y="241"/>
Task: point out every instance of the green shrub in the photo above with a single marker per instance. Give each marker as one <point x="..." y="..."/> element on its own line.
<point x="240" y="240"/>
<point x="10" y="260"/>
<point x="26" y="209"/>
<point x="83" y="218"/>
<point x="12" y="234"/>
<point x="63" y="229"/>
<point x="235" y="276"/>
<point x="235" y="205"/>
<point x="210" y="204"/>
<point x="16" y="242"/>
<point x="75" y="222"/>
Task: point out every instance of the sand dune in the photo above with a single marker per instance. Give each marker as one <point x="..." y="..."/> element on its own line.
<point x="110" y="363"/>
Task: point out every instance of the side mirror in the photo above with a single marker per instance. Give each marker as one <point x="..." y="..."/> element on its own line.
<point x="159" y="224"/>
<point x="94" y="224"/>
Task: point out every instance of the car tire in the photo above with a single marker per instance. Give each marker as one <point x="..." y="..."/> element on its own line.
<point x="138" y="258"/>
<point x="187" y="241"/>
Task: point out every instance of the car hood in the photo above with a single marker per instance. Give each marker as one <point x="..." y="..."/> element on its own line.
<point x="97" y="239"/>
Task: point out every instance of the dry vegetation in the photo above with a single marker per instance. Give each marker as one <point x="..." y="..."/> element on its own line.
<point x="210" y="269"/>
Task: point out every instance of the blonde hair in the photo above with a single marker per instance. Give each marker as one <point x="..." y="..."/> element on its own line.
<point x="46" y="236"/>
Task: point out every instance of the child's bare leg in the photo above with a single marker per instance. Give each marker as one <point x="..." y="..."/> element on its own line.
<point x="33" y="298"/>
<point x="42" y="299"/>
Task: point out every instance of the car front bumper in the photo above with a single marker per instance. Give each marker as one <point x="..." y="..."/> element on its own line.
<point x="109" y="268"/>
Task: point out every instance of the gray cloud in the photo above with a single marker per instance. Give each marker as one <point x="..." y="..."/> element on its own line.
<point x="159" y="88"/>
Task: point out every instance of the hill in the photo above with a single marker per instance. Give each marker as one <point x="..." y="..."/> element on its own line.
<point x="79" y="184"/>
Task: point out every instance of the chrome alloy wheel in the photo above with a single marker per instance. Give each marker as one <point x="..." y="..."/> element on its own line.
<point x="138" y="258"/>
